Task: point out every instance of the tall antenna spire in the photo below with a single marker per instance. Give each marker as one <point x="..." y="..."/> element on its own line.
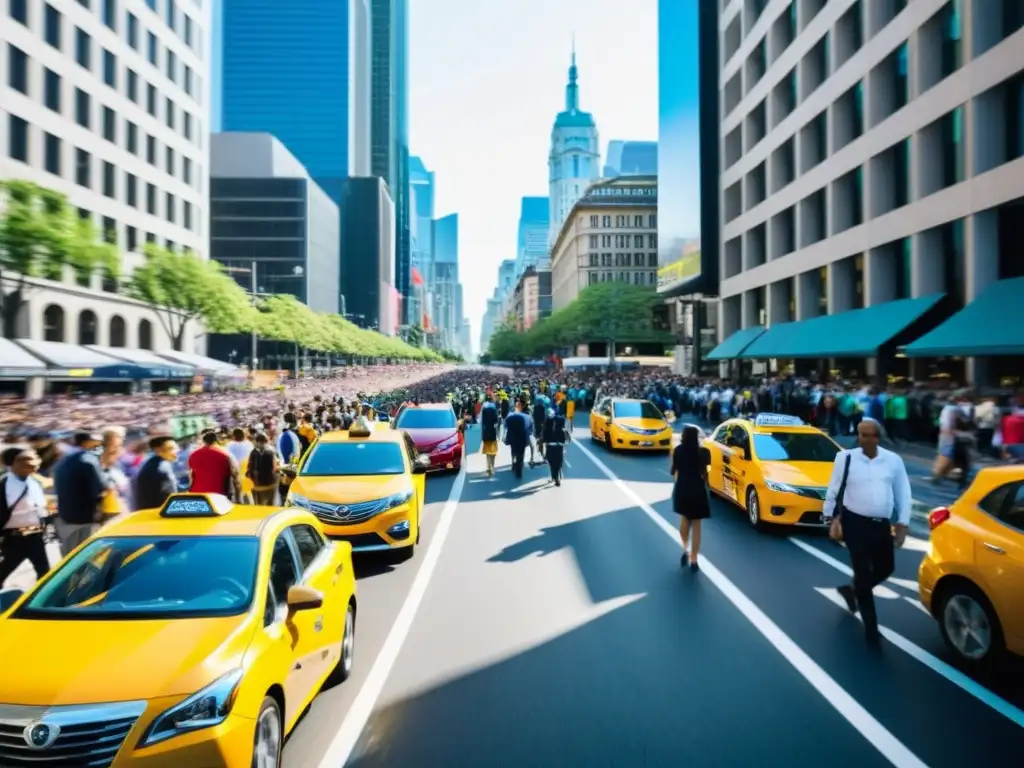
<point x="572" y="91"/>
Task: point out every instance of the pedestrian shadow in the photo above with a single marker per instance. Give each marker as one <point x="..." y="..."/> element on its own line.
<point x="660" y="647"/>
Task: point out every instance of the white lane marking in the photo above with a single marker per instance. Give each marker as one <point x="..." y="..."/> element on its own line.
<point x="340" y="749"/>
<point x="849" y="708"/>
<point x="914" y="544"/>
<point x="952" y="674"/>
<point x="880" y="590"/>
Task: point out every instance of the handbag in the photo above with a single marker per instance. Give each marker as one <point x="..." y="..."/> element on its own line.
<point x="835" y="528"/>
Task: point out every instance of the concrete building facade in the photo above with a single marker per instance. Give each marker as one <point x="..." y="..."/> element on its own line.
<point x="871" y="150"/>
<point x="610" y="234"/>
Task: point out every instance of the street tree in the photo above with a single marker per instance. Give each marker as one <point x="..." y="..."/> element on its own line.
<point x="181" y="288"/>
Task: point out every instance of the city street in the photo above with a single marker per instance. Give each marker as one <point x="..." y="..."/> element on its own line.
<point x="553" y="626"/>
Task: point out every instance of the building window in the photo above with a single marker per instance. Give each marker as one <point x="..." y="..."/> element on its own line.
<point x="109" y="230"/>
<point x="186" y="215"/>
<point x="593" y="241"/>
<point x="953" y="146"/>
<point x="109" y="125"/>
<point x="187" y="77"/>
<point x="638" y="221"/>
<point x="17" y="69"/>
<point x="152" y="48"/>
<point x="133" y="31"/>
<point x="109" y="68"/>
<point x="132" y="85"/>
<point x="83" y="168"/>
<point x="151" y="199"/>
<point x="51" y="90"/>
<point x="83" y="107"/>
<point x="172" y="66"/>
<point x="17" y="139"/>
<point x="952" y="38"/>
<point x="606" y="221"/>
<point x="145" y="326"/>
<point x="19" y="10"/>
<point x="51" y="152"/>
<point x="169" y="113"/>
<point x="172" y="12"/>
<point x="151" y="150"/>
<point x="151" y="99"/>
<point x="593" y="221"/>
<point x="169" y="160"/>
<point x="902" y="76"/>
<point x="51" y="26"/>
<point x="131" y="239"/>
<point x="83" y="49"/>
<point x="110" y="14"/>
<point x="131" y="131"/>
<point x="109" y="180"/>
<point x="592" y="278"/>
<point x="53" y="323"/>
<point x="131" y="190"/>
<point x="186" y="171"/>
<point x="186" y="124"/>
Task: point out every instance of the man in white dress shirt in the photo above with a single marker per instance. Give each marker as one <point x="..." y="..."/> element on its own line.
<point x="877" y="486"/>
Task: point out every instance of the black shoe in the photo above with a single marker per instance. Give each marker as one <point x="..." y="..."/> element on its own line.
<point x="684" y="560"/>
<point x="558" y="482"/>
<point x="846" y="592"/>
<point x="873" y="637"/>
<point x="694" y="567"/>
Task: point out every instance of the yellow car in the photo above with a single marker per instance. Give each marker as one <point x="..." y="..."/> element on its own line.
<point x="972" y="579"/>
<point x="775" y="467"/>
<point x="630" y="425"/>
<point x="366" y="486"/>
<point x="195" y="634"/>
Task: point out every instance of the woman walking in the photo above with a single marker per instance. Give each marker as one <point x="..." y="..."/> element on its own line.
<point x="489" y="431"/>
<point x="690" y="494"/>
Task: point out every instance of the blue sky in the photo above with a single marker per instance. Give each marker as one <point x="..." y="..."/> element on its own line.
<point x="486" y="80"/>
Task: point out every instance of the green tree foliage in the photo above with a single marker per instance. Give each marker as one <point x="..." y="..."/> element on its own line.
<point x="40" y="234"/>
<point x="604" y="312"/>
<point x="181" y="287"/>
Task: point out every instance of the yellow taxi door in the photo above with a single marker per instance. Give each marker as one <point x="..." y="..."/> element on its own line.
<point x="999" y="553"/>
<point x="736" y="467"/>
<point x="716" y="448"/>
<point x="315" y="559"/>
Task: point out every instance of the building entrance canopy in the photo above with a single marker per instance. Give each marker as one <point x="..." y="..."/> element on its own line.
<point x="857" y="333"/>
<point x="732" y="347"/>
<point x="984" y="327"/>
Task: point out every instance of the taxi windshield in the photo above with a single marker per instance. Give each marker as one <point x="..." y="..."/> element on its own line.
<point x="637" y="410"/>
<point x="794" y="446"/>
<point x="151" y="577"/>
<point x="430" y="418"/>
<point x="354" y="458"/>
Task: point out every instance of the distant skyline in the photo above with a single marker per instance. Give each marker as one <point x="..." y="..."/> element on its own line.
<point x="481" y="111"/>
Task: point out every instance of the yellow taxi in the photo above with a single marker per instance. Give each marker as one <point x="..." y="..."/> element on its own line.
<point x="366" y="485"/>
<point x="630" y="425"/>
<point x="972" y="578"/>
<point x="776" y="468"/>
<point x="201" y="631"/>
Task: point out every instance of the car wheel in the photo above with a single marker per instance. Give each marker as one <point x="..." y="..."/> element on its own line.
<point x="969" y="624"/>
<point x="268" y="740"/>
<point x="754" y="510"/>
<point x="343" y="669"/>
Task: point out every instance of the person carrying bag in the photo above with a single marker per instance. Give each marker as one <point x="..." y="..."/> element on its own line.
<point x="835" y="528"/>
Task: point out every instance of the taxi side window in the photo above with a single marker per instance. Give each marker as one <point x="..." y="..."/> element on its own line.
<point x="721" y="435"/>
<point x="995" y="502"/>
<point x="309" y="544"/>
<point x="1013" y="512"/>
<point x="284" y="572"/>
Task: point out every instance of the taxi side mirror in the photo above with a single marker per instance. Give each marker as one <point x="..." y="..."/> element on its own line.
<point x="303" y="598"/>
<point x="420" y="465"/>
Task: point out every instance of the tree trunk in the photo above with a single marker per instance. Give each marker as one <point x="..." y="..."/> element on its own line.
<point x="10" y="307"/>
<point x="178" y="338"/>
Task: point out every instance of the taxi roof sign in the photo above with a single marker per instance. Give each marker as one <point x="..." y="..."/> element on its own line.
<point x="184" y="505"/>
<point x="777" y="420"/>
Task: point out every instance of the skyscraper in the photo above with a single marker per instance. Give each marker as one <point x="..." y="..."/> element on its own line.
<point x="421" y="227"/>
<point x="631" y="158"/>
<point x="532" y="247"/>
<point x="286" y="71"/>
<point x="574" y="161"/>
<point x="389" y="127"/>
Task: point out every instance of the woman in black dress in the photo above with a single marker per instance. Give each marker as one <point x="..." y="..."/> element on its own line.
<point x="690" y="495"/>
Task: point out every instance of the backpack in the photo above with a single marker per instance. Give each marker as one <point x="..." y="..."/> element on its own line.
<point x="261" y="468"/>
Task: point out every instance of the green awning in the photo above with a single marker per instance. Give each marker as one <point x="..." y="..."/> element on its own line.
<point x="984" y="327"/>
<point x="731" y="348"/>
<point x="857" y="333"/>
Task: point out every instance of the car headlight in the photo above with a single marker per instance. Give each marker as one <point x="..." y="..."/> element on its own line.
<point x="772" y="485"/>
<point x="397" y="500"/>
<point x="203" y="709"/>
<point x="447" y="445"/>
<point x="295" y="500"/>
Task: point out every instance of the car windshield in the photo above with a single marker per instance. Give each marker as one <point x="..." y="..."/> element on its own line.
<point x="794" y="446"/>
<point x="637" y="410"/>
<point x="356" y="457"/>
<point x="148" y="577"/>
<point x="429" y="418"/>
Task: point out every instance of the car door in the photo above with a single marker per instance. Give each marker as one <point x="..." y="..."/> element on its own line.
<point x="734" y="465"/>
<point x="327" y="622"/>
<point x="999" y="553"/>
<point x="716" y="445"/>
<point x="601" y="418"/>
<point x="294" y="631"/>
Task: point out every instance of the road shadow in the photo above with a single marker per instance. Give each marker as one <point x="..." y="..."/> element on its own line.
<point x="660" y="679"/>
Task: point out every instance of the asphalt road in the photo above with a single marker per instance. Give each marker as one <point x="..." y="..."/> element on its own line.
<point x="549" y="626"/>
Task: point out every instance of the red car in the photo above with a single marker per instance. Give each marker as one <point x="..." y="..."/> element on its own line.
<point x="436" y="431"/>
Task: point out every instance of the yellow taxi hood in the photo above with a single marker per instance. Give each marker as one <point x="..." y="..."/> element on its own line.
<point x="87" y="662"/>
<point x="805" y="473"/>
<point x="349" y="489"/>
<point x="638" y="423"/>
